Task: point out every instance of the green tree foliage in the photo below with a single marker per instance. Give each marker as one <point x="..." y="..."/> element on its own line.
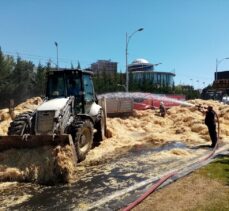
<point x="40" y="80"/>
<point x="19" y="79"/>
<point x="78" y="65"/>
<point x="23" y="78"/>
<point x="6" y="86"/>
<point x="108" y="82"/>
<point x="188" y="91"/>
<point x="111" y="83"/>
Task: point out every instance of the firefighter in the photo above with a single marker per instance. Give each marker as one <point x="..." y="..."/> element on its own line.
<point x="210" y="121"/>
<point x="162" y="109"/>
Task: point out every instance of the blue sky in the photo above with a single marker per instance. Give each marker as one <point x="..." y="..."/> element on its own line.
<point x="186" y="36"/>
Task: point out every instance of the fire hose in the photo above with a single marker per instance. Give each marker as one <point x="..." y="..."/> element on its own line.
<point x="166" y="177"/>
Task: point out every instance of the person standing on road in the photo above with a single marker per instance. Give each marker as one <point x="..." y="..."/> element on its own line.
<point x="210" y="121"/>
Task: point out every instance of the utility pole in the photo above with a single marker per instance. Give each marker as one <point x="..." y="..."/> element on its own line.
<point x="57" y="59"/>
<point x="127" y="42"/>
<point x="217" y="64"/>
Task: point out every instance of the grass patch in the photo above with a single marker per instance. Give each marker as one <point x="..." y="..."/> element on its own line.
<point x="204" y="189"/>
<point x="218" y="169"/>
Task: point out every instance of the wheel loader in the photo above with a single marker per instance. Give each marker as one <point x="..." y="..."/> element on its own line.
<point x="69" y="115"/>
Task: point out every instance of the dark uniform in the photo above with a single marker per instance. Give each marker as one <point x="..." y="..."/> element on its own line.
<point x="73" y="89"/>
<point x="210" y="122"/>
<point x="162" y="109"/>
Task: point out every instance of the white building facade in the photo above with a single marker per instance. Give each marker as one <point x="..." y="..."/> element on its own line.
<point x="141" y="70"/>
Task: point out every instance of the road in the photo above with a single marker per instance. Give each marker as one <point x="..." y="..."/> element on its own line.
<point x="109" y="186"/>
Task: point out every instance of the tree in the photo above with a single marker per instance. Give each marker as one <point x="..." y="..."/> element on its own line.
<point x="72" y="67"/>
<point x="6" y="86"/>
<point x="78" y="65"/>
<point x="23" y="78"/>
<point x="40" y="80"/>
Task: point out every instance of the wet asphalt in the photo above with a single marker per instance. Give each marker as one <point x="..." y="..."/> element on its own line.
<point x="109" y="186"/>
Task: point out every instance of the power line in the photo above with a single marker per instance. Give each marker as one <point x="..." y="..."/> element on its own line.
<point x="27" y="55"/>
<point x="45" y="59"/>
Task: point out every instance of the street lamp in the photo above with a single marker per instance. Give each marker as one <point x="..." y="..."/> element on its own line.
<point x="57" y="65"/>
<point x="197" y="81"/>
<point x="217" y="64"/>
<point x="128" y="37"/>
<point x="203" y="84"/>
<point x="157" y="64"/>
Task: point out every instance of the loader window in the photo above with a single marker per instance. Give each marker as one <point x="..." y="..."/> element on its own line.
<point x="74" y="86"/>
<point x="56" y="86"/>
<point x="88" y="88"/>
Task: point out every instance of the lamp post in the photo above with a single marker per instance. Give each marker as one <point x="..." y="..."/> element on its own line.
<point x="157" y="64"/>
<point x="57" y="64"/>
<point x="217" y="64"/>
<point x="197" y="81"/>
<point x="128" y="37"/>
<point x="203" y="85"/>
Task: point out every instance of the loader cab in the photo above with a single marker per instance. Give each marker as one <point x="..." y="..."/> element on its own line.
<point x="77" y="83"/>
<point x="63" y="84"/>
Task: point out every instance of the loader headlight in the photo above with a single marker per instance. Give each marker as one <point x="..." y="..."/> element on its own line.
<point x="56" y="119"/>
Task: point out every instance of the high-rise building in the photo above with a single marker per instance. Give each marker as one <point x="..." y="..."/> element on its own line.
<point x="104" y="66"/>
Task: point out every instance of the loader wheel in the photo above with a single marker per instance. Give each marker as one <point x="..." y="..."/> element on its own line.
<point x="83" y="139"/>
<point x="100" y="127"/>
<point x="21" y="124"/>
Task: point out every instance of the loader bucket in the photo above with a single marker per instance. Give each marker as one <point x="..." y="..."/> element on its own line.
<point x="34" y="141"/>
